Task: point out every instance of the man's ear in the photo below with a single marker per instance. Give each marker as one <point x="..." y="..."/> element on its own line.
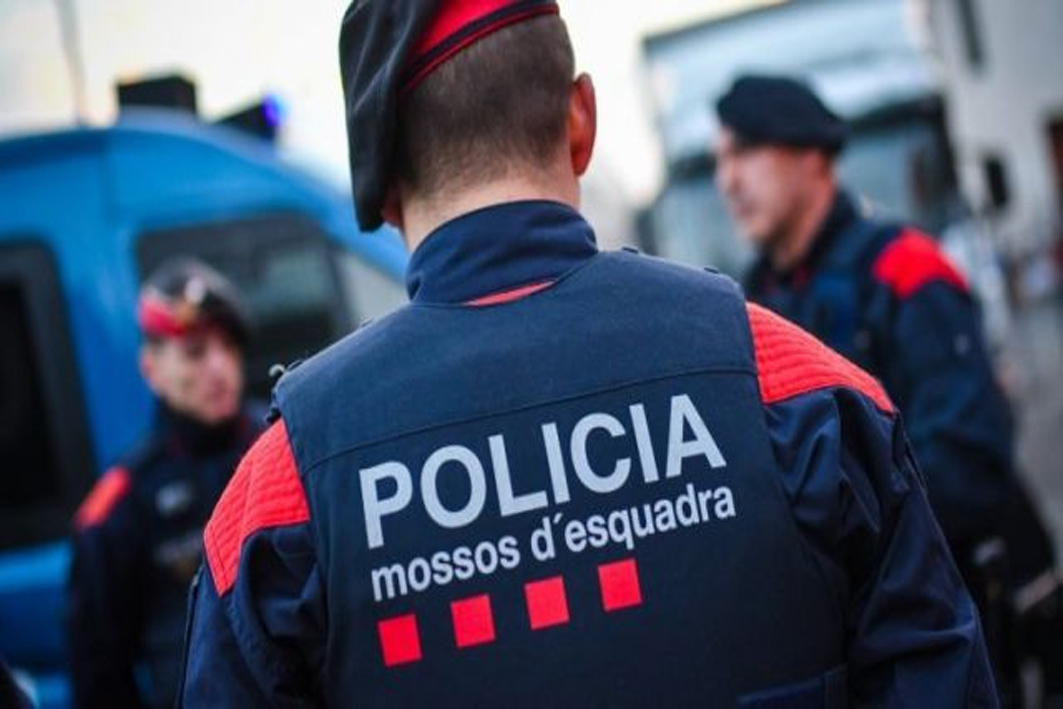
<point x="582" y="123"/>
<point x="392" y="209"/>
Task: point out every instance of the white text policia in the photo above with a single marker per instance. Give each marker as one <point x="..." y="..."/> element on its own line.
<point x="683" y="417"/>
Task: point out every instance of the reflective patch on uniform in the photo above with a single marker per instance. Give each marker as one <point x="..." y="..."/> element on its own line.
<point x="1042" y="587"/>
<point x="107" y="493"/>
<point x="174" y="499"/>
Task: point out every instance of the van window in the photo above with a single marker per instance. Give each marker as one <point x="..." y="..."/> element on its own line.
<point x="47" y="466"/>
<point x="302" y="292"/>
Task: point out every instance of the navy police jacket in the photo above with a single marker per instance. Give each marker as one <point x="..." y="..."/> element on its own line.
<point x="887" y="298"/>
<point x="561" y="477"/>
<point x="137" y="545"/>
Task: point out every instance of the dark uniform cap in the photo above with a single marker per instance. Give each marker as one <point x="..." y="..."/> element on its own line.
<point x="386" y="48"/>
<point x="184" y="295"/>
<point x="781" y="111"/>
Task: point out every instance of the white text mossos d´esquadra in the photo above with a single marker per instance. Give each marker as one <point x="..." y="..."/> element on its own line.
<point x="683" y="417"/>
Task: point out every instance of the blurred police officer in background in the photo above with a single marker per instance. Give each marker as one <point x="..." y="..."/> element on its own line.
<point x="138" y="534"/>
<point x="561" y="477"/>
<point x="886" y="297"/>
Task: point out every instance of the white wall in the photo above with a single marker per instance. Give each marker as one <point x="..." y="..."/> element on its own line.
<point x="1004" y="106"/>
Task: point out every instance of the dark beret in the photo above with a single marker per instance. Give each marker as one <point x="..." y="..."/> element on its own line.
<point x="184" y="294"/>
<point x="386" y="48"/>
<point x="781" y="111"/>
<point x="375" y="39"/>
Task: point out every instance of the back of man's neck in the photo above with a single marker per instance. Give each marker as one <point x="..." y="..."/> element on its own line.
<point x="422" y="217"/>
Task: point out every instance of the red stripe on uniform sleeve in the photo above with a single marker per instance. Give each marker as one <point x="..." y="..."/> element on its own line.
<point x="264" y="492"/>
<point x="790" y="362"/>
<point x="109" y="490"/>
<point x="911" y="261"/>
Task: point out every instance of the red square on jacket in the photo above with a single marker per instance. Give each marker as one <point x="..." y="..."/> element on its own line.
<point x="547" y="603"/>
<point x="619" y="582"/>
<point x="474" y="623"/>
<point x="400" y="641"/>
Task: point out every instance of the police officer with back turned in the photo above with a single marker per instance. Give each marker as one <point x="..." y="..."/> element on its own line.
<point x="541" y="483"/>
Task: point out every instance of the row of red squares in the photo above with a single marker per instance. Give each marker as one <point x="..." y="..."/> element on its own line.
<point x="474" y="622"/>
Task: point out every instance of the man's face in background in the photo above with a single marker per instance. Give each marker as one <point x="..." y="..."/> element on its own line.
<point x="765" y="187"/>
<point x="199" y="375"/>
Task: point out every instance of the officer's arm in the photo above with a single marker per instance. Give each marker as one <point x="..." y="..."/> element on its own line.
<point x="913" y="637"/>
<point x="103" y="596"/>
<point x="256" y="619"/>
<point x="957" y="417"/>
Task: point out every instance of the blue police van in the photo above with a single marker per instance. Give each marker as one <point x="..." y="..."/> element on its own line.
<point x="85" y="214"/>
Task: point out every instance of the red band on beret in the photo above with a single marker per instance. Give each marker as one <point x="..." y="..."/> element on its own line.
<point x="157" y="319"/>
<point x="452" y="17"/>
<point x="461" y="23"/>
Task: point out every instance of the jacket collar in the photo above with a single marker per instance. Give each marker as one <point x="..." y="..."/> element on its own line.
<point x="186" y="436"/>
<point x="842" y="213"/>
<point x="498" y="248"/>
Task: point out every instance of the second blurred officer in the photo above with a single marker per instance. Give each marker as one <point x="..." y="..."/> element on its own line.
<point x="886" y="296"/>
<point x="137" y="541"/>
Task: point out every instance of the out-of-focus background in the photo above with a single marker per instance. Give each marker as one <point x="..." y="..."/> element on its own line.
<point x="131" y="130"/>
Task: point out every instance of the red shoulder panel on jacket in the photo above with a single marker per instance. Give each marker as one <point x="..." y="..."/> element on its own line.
<point x="109" y="490"/>
<point x="790" y="362"/>
<point x="264" y="492"/>
<point x="911" y="261"/>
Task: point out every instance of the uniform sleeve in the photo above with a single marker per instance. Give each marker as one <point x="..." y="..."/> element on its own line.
<point x="913" y="636"/>
<point x="940" y="373"/>
<point x="256" y="618"/>
<point x="103" y="600"/>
